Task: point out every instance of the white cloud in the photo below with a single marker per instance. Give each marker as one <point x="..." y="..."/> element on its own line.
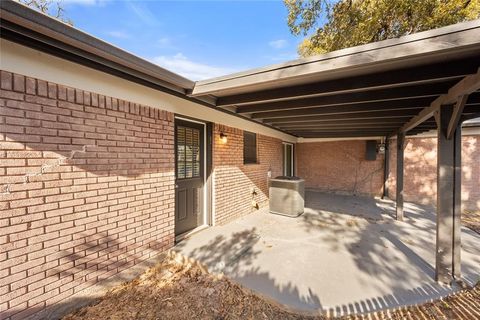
<point x="191" y="69"/>
<point x="143" y="13"/>
<point x="165" y="43"/>
<point x="85" y="2"/>
<point x="118" y="34"/>
<point x="278" y="44"/>
<point x="282" y="57"/>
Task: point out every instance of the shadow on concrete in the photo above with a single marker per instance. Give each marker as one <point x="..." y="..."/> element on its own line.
<point x="424" y="293"/>
<point x="234" y="255"/>
<point x="389" y="263"/>
<point x="368" y="222"/>
<point x="235" y="252"/>
<point x="223" y="254"/>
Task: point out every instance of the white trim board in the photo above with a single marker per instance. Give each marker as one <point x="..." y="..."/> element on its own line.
<point x="36" y="64"/>
<point x="308" y="140"/>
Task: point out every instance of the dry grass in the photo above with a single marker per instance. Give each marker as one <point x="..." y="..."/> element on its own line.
<point x="178" y="288"/>
<point x="352" y="223"/>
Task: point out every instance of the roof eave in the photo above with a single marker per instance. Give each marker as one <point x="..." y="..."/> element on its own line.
<point x="20" y="15"/>
<point x="415" y="49"/>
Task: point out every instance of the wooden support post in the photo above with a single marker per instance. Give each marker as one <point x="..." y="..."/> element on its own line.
<point x="400" y="145"/>
<point x="386" y="169"/>
<point x="457" y="210"/>
<point x="465" y="86"/>
<point x="447" y="266"/>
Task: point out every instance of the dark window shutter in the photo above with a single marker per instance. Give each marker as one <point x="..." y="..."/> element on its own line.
<point x="249" y="147"/>
<point x="371" y="150"/>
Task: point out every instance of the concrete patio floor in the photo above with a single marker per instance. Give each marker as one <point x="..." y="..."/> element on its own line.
<point x="343" y="255"/>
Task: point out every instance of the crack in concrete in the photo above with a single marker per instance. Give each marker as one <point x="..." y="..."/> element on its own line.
<point x="44" y="169"/>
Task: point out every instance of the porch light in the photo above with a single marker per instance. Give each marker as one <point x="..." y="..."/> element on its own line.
<point x="381" y="148"/>
<point x="223" y="138"/>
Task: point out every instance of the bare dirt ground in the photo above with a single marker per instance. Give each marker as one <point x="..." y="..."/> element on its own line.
<point x="471" y="219"/>
<point x="178" y="288"/>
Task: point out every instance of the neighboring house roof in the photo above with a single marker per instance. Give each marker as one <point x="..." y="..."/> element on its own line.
<point x="376" y="89"/>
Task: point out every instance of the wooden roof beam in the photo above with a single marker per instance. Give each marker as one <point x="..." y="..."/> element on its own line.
<point x="416" y="103"/>
<point x="361" y="115"/>
<point x="322" y="129"/>
<point x="341" y="127"/>
<point x="342" y="134"/>
<point x="410" y="92"/>
<point x="409" y="76"/>
<point x="466" y="86"/>
<point x="396" y="121"/>
<point x="419" y="103"/>
<point x="365" y="134"/>
<point x="457" y="113"/>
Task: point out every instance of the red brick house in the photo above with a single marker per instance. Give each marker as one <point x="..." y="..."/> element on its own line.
<point x="106" y="158"/>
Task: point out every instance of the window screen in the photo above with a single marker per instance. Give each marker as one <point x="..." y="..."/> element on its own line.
<point x="249" y="147"/>
<point x="188" y="152"/>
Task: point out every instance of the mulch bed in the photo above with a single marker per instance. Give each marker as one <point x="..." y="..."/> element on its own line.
<point x="179" y="288"/>
<point x="471" y="219"/>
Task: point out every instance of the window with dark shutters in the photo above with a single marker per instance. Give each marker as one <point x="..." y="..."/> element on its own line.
<point x="249" y="147"/>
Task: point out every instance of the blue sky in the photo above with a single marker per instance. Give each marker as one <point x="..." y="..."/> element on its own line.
<point x="198" y="39"/>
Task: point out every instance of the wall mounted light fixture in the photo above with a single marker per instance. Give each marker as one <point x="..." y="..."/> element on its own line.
<point x="381" y="148"/>
<point x="223" y="137"/>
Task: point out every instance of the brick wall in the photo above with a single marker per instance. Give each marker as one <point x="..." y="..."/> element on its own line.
<point x="234" y="181"/>
<point x="420" y="175"/>
<point x="86" y="190"/>
<point x="340" y="167"/>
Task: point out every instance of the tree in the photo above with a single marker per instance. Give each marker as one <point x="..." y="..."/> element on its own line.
<point x="51" y="7"/>
<point x="334" y="25"/>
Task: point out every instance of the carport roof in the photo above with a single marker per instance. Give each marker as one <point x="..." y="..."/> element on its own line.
<point x="370" y="90"/>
